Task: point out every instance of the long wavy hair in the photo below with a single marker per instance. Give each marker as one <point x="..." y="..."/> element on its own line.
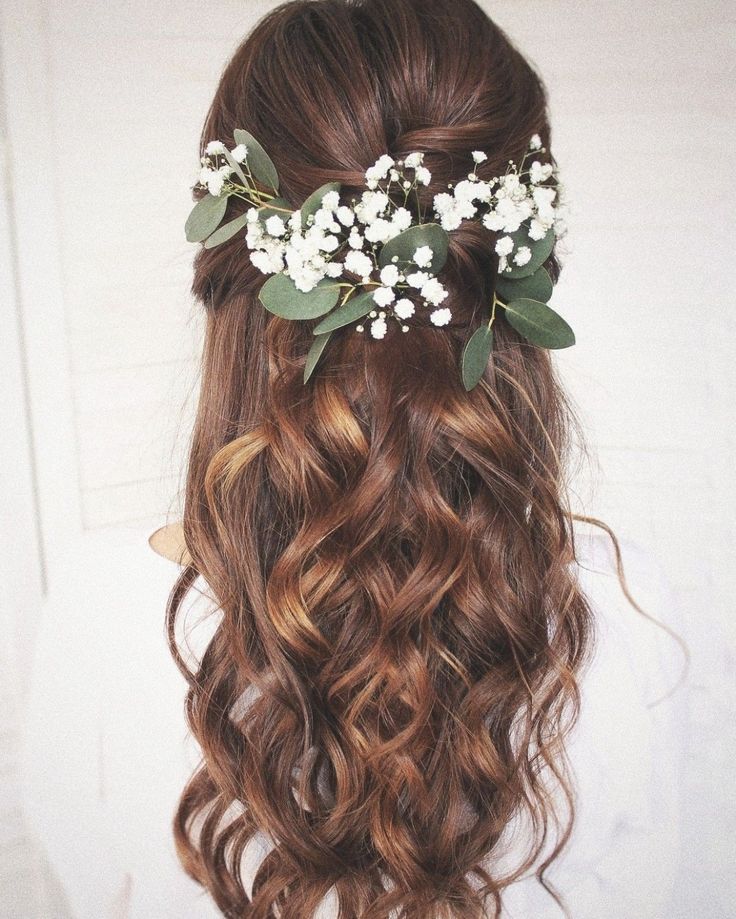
<point x="391" y="555"/>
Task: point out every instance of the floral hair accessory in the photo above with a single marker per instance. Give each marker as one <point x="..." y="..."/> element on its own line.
<point x="371" y="261"/>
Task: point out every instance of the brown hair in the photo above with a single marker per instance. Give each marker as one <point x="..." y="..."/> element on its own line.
<point x="391" y="554"/>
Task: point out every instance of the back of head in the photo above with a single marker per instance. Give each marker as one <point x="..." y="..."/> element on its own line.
<point x="391" y="553"/>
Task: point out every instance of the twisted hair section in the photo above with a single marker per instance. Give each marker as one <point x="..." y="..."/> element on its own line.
<point x="395" y="668"/>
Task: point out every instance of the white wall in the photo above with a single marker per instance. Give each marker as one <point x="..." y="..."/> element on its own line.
<point x="104" y="103"/>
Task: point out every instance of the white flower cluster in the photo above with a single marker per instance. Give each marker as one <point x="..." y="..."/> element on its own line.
<point x="214" y="176"/>
<point x="307" y="254"/>
<point x="511" y="202"/>
<point x="338" y="241"/>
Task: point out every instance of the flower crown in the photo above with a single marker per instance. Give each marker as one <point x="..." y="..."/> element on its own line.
<point x="371" y="261"/>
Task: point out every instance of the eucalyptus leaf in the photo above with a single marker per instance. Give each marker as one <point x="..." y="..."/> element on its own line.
<point x="314" y="353"/>
<point x="539" y="324"/>
<point x="276" y="207"/>
<point x="283" y="298"/>
<point x="355" y="308"/>
<point x="537" y="286"/>
<point x="259" y="162"/>
<point x="236" y="167"/>
<point x="541" y="250"/>
<point x="314" y="201"/>
<point x="226" y="231"/>
<point x="205" y="217"/>
<point x="405" y="245"/>
<point x="475" y="356"/>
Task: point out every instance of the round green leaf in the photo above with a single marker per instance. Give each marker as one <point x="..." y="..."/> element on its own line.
<point x="283" y="298"/>
<point x="476" y="352"/>
<point x="259" y="162"/>
<point x="314" y="353"/>
<point x="205" y="217"/>
<point x="226" y="231"/>
<point x="355" y="308"/>
<point x="539" y="324"/>
<point x="314" y="201"/>
<point x="406" y="244"/>
<point x="537" y="286"/>
<point x="276" y="206"/>
<point x="541" y="250"/>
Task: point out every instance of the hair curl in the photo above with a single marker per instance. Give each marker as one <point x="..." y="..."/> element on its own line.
<point x="391" y="554"/>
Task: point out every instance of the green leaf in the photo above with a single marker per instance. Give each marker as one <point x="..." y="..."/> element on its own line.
<point x="259" y="162"/>
<point x="355" y="308"/>
<point x="276" y="206"/>
<point x="406" y="244"/>
<point x="283" y="298"/>
<point x="236" y="167"/>
<point x="226" y="231"/>
<point x="205" y="217"/>
<point x="476" y="352"/>
<point x="541" y="250"/>
<point x="314" y="201"/>
<point x="539" y="324"/>
<point x="537" y="286"/>
<point x="314" y="353"/>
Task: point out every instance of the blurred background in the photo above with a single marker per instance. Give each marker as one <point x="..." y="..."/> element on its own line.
<point x="102" y="106"/>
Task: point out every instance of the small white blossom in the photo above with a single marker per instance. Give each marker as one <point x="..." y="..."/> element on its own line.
<point x="390" y="275"/>
<point x="379" y="170"/>
<point x="537" y="230"/>
<point x="333" y="269"/>
<point x="536" y="142"/>
<point x="324" y="219"/>
<point x="414" y="160"/>
<point x="215" y="183"/>
<point x="479" y="156"/>
<point x="523" y="254"/>
<point x="384" y="295"/>
<point x="331" y="200"/>
<point x="504" y="246"/>
<point x="380" y="231"/>
<point x="378" y="328"/>
<point x="423" y="256"/>
<point x="275" y="226"/>
<point x="539" y="172"/>
<point x="355" y="240"/>
<point x="440" y="317"/>
<point x="240" y="153"/>
<point x="214" y="147"/>
<point x="394" y="175"/>
<point x="404" y="308"/>
<point x="401" y="219"/>
<point x="418" y="279"/>
<point x="345" y="215"/>
<point x="433" y="292"/>
<point x="329" y="243"/>
<point x="423" y="175"/>
<point x="358" y="263"/>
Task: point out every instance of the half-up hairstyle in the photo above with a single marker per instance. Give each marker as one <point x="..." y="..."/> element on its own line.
<point x="396" y="665"/>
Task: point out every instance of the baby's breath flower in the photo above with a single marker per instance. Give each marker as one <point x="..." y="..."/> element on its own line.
<point x="536" y="142"/>
<point x="423" y="175"/>
<point x="440" y="317"/>
<point x="423" y="256"/>
<point x="522" y="256"/>
<point x="404" y="308"/>
<point x="384" y="295"/>
<point x="358" y="263"/>
<point x="433" y="292"/>
<point x="390" y="275"/>
<point x="345" y="215"/>
<point x="331" y="200"/>
<point x="275" y="226"/>
<point x="240" y="153"/>
<point x="418" y="279"/>
<point x="414" y="160"/>
<point x="479" y="156"/>
<point x="214" y="147"/>
<point x="504" y="246"/>
<point x="378" y="328"/>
